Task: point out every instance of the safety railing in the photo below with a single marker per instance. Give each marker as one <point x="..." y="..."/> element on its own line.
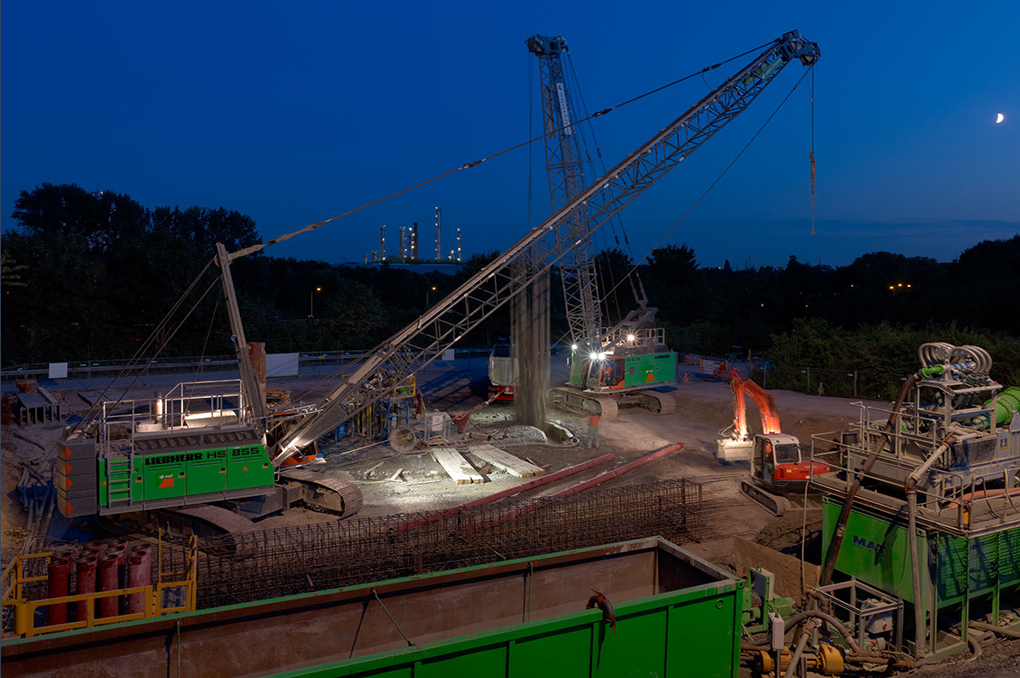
<point x="954" y="500"/>
<point x="173" y="591"/>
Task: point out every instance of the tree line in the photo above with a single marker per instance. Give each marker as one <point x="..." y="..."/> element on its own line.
<point x="93" y="274"/>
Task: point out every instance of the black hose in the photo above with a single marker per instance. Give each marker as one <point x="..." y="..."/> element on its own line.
<point x="801" y="616"/>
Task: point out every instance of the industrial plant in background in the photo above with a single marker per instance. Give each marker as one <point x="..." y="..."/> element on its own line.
<point x="408" y="250"/>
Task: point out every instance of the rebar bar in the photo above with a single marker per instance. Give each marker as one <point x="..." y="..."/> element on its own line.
<point x="297" y="559"/>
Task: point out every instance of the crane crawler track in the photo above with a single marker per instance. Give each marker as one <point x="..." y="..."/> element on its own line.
<point x="323" y="493"/>
<point x="576" y="400"/>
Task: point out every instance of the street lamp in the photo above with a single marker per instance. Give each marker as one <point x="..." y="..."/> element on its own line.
<point x="433" y="288"/>
<point x="311" y="301"/>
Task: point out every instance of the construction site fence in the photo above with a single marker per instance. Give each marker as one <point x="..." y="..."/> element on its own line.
<point x="842" y="382"/>
<point x="298" y="559"/>
<point x="85" y="369"/>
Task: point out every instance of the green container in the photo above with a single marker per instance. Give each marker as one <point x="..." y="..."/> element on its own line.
<point x="676" y="616"/>
<point x="954" y="571"/>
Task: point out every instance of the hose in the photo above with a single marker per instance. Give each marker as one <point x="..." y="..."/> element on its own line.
<point x="915" y="571"/>
<point x="801" y="616"/>
<point x="1008" y="633"/>
<point x="805" y="636"/>
<point x="975" y="648"/>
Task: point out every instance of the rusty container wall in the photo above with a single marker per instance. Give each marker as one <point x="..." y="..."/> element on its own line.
<point x="676" y="615"/>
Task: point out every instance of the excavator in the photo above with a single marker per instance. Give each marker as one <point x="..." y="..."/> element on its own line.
<point x="213" y="452"/>
<point x="777" y="465"/>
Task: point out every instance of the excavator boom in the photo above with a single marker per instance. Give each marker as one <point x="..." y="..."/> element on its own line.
<point x="742" y="388"/>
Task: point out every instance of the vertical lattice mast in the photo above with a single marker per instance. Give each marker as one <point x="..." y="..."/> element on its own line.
<point x="566" y="181"/>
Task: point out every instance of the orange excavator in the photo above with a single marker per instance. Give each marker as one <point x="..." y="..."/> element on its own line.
<point x="777" y="466"/>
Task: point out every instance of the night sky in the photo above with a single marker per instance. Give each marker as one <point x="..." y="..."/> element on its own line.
<point x="295" y="112"/>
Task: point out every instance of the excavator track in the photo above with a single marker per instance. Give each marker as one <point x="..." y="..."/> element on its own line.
<point x="323" y="493"/>
<point x="773" y="503"/>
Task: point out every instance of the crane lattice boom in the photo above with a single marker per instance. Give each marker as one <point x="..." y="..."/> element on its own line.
<point x="391" y="363"/>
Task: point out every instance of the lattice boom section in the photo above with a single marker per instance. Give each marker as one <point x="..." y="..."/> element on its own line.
<point x="299" y="559"/>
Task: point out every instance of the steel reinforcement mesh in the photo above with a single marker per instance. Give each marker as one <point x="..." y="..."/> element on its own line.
<point x="304" y="558"/>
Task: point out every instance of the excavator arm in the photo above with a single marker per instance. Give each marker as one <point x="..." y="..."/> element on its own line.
<point x="442" y="326"/>
<point x="743" y="388"/>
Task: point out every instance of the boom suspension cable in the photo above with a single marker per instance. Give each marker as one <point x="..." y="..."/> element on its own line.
<point x="318" y="224"/>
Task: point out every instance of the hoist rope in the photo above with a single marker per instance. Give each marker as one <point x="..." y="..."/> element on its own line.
<point x="812" y="150"/>
<point x="318" y="224"/>
<point x="718" y="179"/>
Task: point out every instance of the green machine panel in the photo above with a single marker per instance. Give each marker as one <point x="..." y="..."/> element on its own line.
<point x="209" y="475"/>
<point x="649" y="369"/>
<point x="123" y="481"/>
<point x="162" y="480"/>
<point x="248" y="467"/>
<point x="874" y="550"/>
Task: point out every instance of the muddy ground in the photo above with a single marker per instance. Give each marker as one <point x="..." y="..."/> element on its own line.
<point x="415" y="482"/>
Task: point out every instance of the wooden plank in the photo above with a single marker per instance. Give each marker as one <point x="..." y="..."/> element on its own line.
<point x="515" y="466"/>
<point x="454" y="463"/>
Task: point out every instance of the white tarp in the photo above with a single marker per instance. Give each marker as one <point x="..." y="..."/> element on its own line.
<point x="281" y="364"/>
<point x="58" y="370"/>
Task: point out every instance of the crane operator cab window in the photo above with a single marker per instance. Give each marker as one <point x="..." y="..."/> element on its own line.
<point x="788" y="453"/>
<point x="611" y="375"/>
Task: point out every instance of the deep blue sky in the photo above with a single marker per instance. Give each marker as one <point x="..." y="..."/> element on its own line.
<point x="294" y="112"/>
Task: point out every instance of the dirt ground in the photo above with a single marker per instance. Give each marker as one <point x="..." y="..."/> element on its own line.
<point x="415" y="482"/>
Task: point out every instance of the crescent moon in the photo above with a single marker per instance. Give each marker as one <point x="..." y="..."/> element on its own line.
<point x="999" y="118"/>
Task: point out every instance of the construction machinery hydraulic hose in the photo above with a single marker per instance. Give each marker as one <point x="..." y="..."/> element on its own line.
<point x="910" y="488"/>
<point x="829" y="563"/>
<point x="805" y="636"/>
<point x="829" y="619"/>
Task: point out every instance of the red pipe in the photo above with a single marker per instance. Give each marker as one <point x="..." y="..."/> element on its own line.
<point x="59" y="571"/>
<point x="502" y="494"/>
<point x="588" y="484"/>
<point x="108" y="582"/>
<point x="983" y="494"/>
<point x="139" y="565"/>
<point x="86" y="584"/>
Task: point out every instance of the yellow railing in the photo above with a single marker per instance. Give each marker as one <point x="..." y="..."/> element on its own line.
<point x="155" y="605"/>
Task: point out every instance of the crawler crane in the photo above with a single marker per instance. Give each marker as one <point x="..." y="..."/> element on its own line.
<point x="211" y="447"/>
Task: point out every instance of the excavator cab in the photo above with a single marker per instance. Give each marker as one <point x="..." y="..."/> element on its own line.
<point x="778" y="465"/>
